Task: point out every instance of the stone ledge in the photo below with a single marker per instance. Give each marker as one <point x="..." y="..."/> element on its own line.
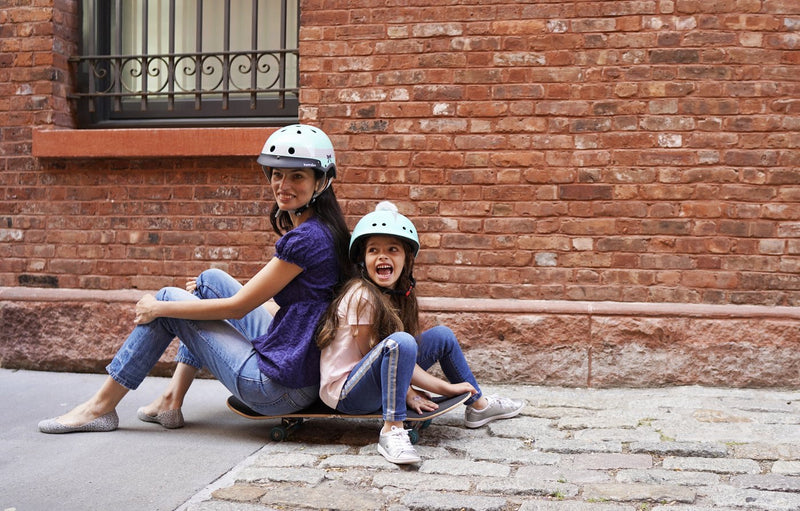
<point x="36" y="294"/>
<point x="607" y="308"/>
<point x="474" y="305"/>
<point x="577" y="344"/>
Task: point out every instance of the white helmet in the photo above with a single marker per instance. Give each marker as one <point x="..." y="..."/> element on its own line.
<point x="299" y="146"/>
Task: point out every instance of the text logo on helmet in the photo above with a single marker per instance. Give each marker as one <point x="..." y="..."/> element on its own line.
<point x="299" y="146"/>
<point x="387" y="221"/>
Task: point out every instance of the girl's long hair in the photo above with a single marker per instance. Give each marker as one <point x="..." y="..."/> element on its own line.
<point x="327" y="209"/>
<point x="392" y="312"/>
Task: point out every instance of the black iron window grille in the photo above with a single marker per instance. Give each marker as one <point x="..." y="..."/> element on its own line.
<point x="187" y="63"/>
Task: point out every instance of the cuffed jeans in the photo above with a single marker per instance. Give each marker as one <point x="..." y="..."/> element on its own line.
<point x="382" y="378"/>
<point x="223" y="347"/>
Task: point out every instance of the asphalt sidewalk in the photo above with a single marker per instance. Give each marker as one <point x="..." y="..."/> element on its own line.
<point x="140" y="466"/>
<point x="665" y="449"/>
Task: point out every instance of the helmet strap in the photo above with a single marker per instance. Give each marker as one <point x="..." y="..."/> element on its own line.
<point x="400" y="292"/>
<point x="390" y="291"/>
<point x="302" y="209"/>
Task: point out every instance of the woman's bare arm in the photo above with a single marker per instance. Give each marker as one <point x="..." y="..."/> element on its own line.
<point x="264" y="285"/>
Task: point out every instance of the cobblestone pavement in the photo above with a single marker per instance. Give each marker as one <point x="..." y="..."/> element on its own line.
<point x="668" y="449"/>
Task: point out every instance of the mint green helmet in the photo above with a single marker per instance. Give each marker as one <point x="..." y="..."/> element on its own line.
<point x="387" y="221"/>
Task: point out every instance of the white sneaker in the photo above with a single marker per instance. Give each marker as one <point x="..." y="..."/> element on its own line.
<point x="396" y="447"/>
<point x="498" y="408"/>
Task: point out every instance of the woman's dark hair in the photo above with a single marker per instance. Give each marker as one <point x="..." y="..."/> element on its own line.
<point x="326" y="208"/>
<point x="393" y="312"/>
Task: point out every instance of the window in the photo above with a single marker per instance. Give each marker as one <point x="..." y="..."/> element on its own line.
<point x="187" y="63"/>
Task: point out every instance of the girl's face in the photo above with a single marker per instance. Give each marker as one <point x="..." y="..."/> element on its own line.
<point x="293" y="188"/>
<point x="384" y="258"/>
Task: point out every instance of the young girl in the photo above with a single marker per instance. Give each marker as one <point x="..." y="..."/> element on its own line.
<point x="372" y="351"/>
<point x="270" y="363"/>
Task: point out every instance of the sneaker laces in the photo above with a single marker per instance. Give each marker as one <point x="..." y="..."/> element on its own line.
<point x="398" y="438"/>
<point x="505" y="402"/>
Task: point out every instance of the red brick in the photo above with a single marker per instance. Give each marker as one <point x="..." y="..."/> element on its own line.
<point x="675" y="56"/>
<point x="751" y="158"/>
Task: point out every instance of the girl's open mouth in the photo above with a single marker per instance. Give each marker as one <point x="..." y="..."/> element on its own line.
<point x="384" y="270"/>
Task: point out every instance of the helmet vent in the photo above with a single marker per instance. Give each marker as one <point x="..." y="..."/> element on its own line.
<point x="290" y="150"/>
<point x="272" y="148"/>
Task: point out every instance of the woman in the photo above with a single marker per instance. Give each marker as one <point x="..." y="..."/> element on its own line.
<point x="270" y="363"/>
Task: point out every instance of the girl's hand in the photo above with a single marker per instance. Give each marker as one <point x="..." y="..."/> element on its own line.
<point x="419" y="401"/>
<point x="457" y="389"/>
<point x="191" y="284"/>
<point x="146" y="310"/>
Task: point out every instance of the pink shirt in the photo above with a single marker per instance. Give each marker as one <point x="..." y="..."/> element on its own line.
<point x="342" y="354"/>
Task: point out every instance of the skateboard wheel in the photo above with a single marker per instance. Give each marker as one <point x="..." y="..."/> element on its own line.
<point x="425" y="424"/>
<point x="413" y="435"/>
<point x="277" y="434"/>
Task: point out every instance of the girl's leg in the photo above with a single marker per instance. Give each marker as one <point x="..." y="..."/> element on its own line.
<point x="381" y="380"/>
<point x="439" y="344"/>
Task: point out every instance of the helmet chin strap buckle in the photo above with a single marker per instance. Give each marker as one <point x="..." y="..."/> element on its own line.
<point x="302" y="209"/>
<point x="296" y="212"/>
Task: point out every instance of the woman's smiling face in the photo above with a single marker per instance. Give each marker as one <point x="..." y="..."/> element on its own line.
<point x="384" y="258"/>
<point x="293" y="188"/>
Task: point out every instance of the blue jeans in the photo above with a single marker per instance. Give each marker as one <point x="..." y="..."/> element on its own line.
<point x="382" y="378"/>
<point x="223" y="347"/>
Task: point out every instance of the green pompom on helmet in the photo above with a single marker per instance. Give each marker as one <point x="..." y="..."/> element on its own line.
<point x="387" y="221"/>
<point x="299" y="146"/>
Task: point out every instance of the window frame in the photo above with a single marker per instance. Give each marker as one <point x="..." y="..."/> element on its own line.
<point x="101" y="103"/>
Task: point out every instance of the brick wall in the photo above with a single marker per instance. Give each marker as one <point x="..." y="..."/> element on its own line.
<point x="626" y="150"/>
<point x="636" y="151"/>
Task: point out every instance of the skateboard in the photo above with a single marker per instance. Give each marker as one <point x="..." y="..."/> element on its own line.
<point x="415" y="422"/>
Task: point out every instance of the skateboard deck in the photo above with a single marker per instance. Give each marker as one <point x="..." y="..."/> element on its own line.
<point x="319" y="410"/>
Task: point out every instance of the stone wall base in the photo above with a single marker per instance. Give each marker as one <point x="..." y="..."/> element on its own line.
<point x="564" y="343"/>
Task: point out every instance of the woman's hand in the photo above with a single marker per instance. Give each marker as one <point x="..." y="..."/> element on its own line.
<point x="419" y="401"/>
<point x="146" y="310"/>
<point x="191" y="284"/>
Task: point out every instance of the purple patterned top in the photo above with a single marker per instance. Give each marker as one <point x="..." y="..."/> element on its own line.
<point x="288" y="351"/>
